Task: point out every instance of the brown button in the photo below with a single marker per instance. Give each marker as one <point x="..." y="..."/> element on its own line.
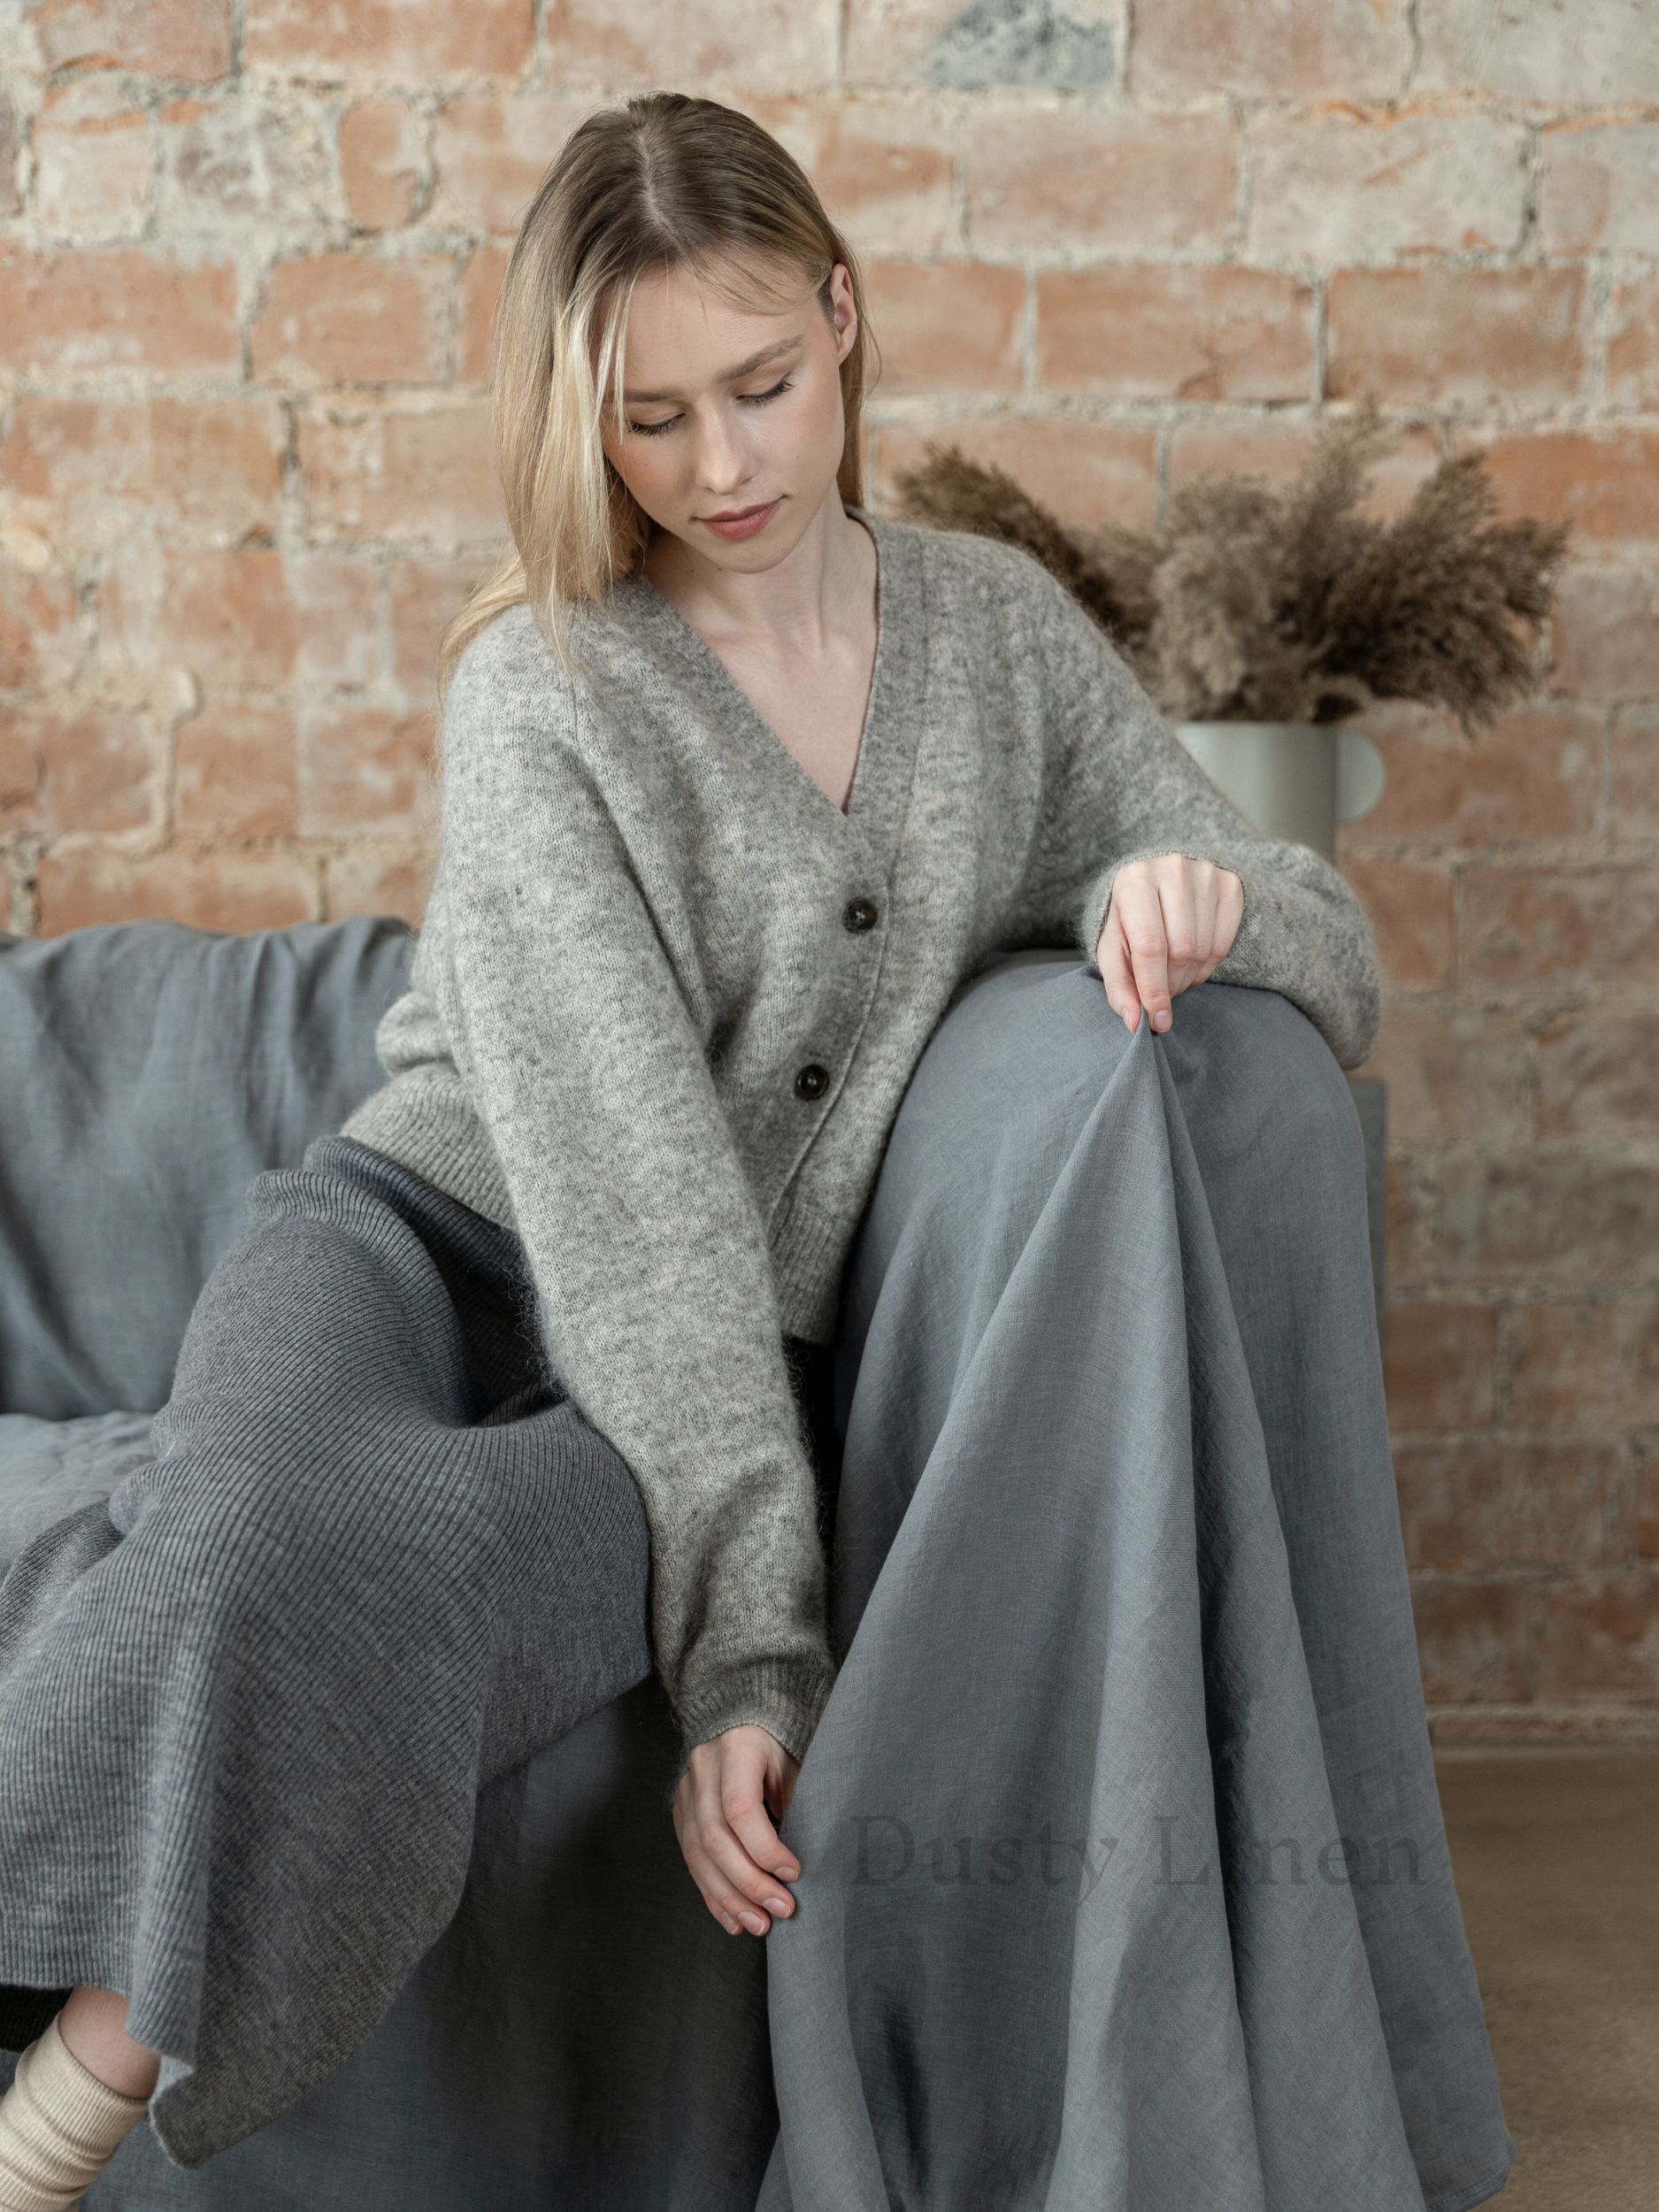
<point x="812" y="1081"/>
<point x="861" y="914"/>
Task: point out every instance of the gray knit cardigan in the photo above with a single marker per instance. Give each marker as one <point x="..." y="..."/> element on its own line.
<point x="668" y="996"/>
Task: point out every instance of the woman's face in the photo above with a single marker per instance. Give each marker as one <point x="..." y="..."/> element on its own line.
<point x="731" y="427"/>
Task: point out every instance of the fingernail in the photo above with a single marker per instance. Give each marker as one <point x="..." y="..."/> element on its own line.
<point x="728" y="1923"/>
<point x="1162" y="1021"/>
<point x="780" y="1905"/>
<point x="753" y="1922"/>
<point x="787" y="1873"/>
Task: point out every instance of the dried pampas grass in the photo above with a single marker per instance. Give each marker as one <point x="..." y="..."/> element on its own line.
<point x="1257" y="605"/>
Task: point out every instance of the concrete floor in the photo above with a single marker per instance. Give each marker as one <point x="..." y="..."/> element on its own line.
<point x="1556" y="1856"/>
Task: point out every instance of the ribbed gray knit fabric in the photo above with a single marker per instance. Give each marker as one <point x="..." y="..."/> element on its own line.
<point x="668" y="997"/>
<point x="246" y="1709"/>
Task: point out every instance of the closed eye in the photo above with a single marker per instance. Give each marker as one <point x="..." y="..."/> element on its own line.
<point x="745" y="399"/>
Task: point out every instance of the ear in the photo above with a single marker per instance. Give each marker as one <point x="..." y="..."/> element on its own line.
<point x="844" y="311"/>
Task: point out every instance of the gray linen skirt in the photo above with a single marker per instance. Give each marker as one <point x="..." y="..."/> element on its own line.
<point x="1124" y="1885"/>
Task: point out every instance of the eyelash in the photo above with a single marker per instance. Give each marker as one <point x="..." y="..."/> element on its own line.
<point x="750" y="399"/>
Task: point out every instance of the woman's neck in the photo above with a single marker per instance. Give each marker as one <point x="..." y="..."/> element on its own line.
<point x="816" y="593"/>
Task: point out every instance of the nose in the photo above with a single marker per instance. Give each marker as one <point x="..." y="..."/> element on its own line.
<point x="723" y="462"/>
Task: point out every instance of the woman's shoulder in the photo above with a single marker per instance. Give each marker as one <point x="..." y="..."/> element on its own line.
<point x="510" y="653"/>
<point x="967" y="576"/>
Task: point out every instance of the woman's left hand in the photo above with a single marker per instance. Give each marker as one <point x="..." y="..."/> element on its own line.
<point x="1170" y="924"/>
<point x="735" y="1787"/>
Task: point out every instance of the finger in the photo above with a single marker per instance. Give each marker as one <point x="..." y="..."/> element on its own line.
<point x="742" y="1804"/>
<point x="714" y="1890"/>
<point x="749" y="1891"/>
<point x="1142" y="926"/>
<point x="1112" y="955"/>
<point x="723" y="1895"/>
<point x="1177" y="881"/>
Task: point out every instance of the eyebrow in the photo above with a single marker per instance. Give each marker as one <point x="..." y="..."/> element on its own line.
<point x="744" y="368"/>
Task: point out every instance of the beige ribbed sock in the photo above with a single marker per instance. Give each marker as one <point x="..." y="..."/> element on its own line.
<point x="59" y="2128"/>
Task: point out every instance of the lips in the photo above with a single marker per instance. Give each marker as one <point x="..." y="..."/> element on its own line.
<point x="742" y="522"/>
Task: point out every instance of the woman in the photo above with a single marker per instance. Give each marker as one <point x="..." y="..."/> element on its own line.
<point x="739" y="787"/>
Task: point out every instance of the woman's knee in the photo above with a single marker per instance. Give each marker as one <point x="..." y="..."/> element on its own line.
<point x="1251" y="1068"/>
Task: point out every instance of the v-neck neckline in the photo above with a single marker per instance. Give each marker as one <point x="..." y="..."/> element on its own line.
<point x="881" y="773"/>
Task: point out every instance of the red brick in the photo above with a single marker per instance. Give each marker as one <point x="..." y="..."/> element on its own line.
<point x="1471" y="1642"/>
<point x="1562" y="1218"/>
<point x="1534" y="772"/>
<point x="178" y="41"/>
<point x="236" y="891"/>
<point x="402" y="40"/>
<point x="1409" y="908"/>
<point x="1456" y="337"/>
<point x="347" y="318"/>
<point x="884" y="169"/>
<point x="1597" y="50"/>
<point x="1581" y="1366"/>
<point x="767" y="45"/>
<point x="1275" y="48"/>
<point x="1601" y="1637"/>
<point x="1648" y="1506"/>
<point x="1104" y="176"/>
<point x="1085" y="472"/>
<point x="1345" y="185"/>
<point x="19" y="778"/>
<point x="948" y="326"/>
<point x="211" y="469"/>
<point x="1600" y="190"/>
<point x="1636" y="775"/>
<point x="235" y="773"/>
<point x="1180" y="333"/>
<point x="490" y="155"/>
<point x="481" y="289"/>
<point x="960" y="49"/>
<point x="419" y="475"/>
<point x="92" y="161"/>
<point x="10" y="140"/>
<point x="1276" y="448"/>
<point x="1604" y="482"/>
<point x="251" y="619"/>
<point x="1452" y="1075"/>
<point x="92" y="768"/>
<point x="1439" y="1365"/>
<point x="361" y="767"/>
<point x="241" y="159"/>
<point x="373" y="880"/>
<point x="424" y="598"/>
<point x="1632" y="348"/>
<point x="1531" y="927"/>
<point x="1604" y="634"/>
<point x="1411" y="1204"/>
<point x="40" y="640"/>
<point x="1598" y="1071"/>
<point x="121" y="307"/>
<point x="1503" y="1503"/>
<point x="382" y="163"/>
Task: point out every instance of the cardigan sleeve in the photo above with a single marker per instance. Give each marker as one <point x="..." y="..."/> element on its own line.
<point x="1118" y="787"/>
<point x="651" y="1269"/>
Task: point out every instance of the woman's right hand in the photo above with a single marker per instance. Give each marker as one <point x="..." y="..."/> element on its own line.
<point x="734" y="1788"/>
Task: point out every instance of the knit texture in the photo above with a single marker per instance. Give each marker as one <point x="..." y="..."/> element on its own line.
<point x="59" y="2128"/>
<point x="249" y="1707"/>
<point x="654" y="1027"/>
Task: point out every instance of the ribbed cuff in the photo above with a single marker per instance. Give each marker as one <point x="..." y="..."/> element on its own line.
<point x="430" y="1126"/>
<point x="784" y="1697"/>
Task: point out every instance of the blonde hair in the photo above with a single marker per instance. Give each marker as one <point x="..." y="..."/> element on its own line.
<point x="665" y="182"/>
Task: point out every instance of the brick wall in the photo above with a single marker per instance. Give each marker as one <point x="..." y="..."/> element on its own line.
<point x="248" y="249"/>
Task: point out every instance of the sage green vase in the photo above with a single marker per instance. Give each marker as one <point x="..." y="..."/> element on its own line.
<point x="1291" y="779"/>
